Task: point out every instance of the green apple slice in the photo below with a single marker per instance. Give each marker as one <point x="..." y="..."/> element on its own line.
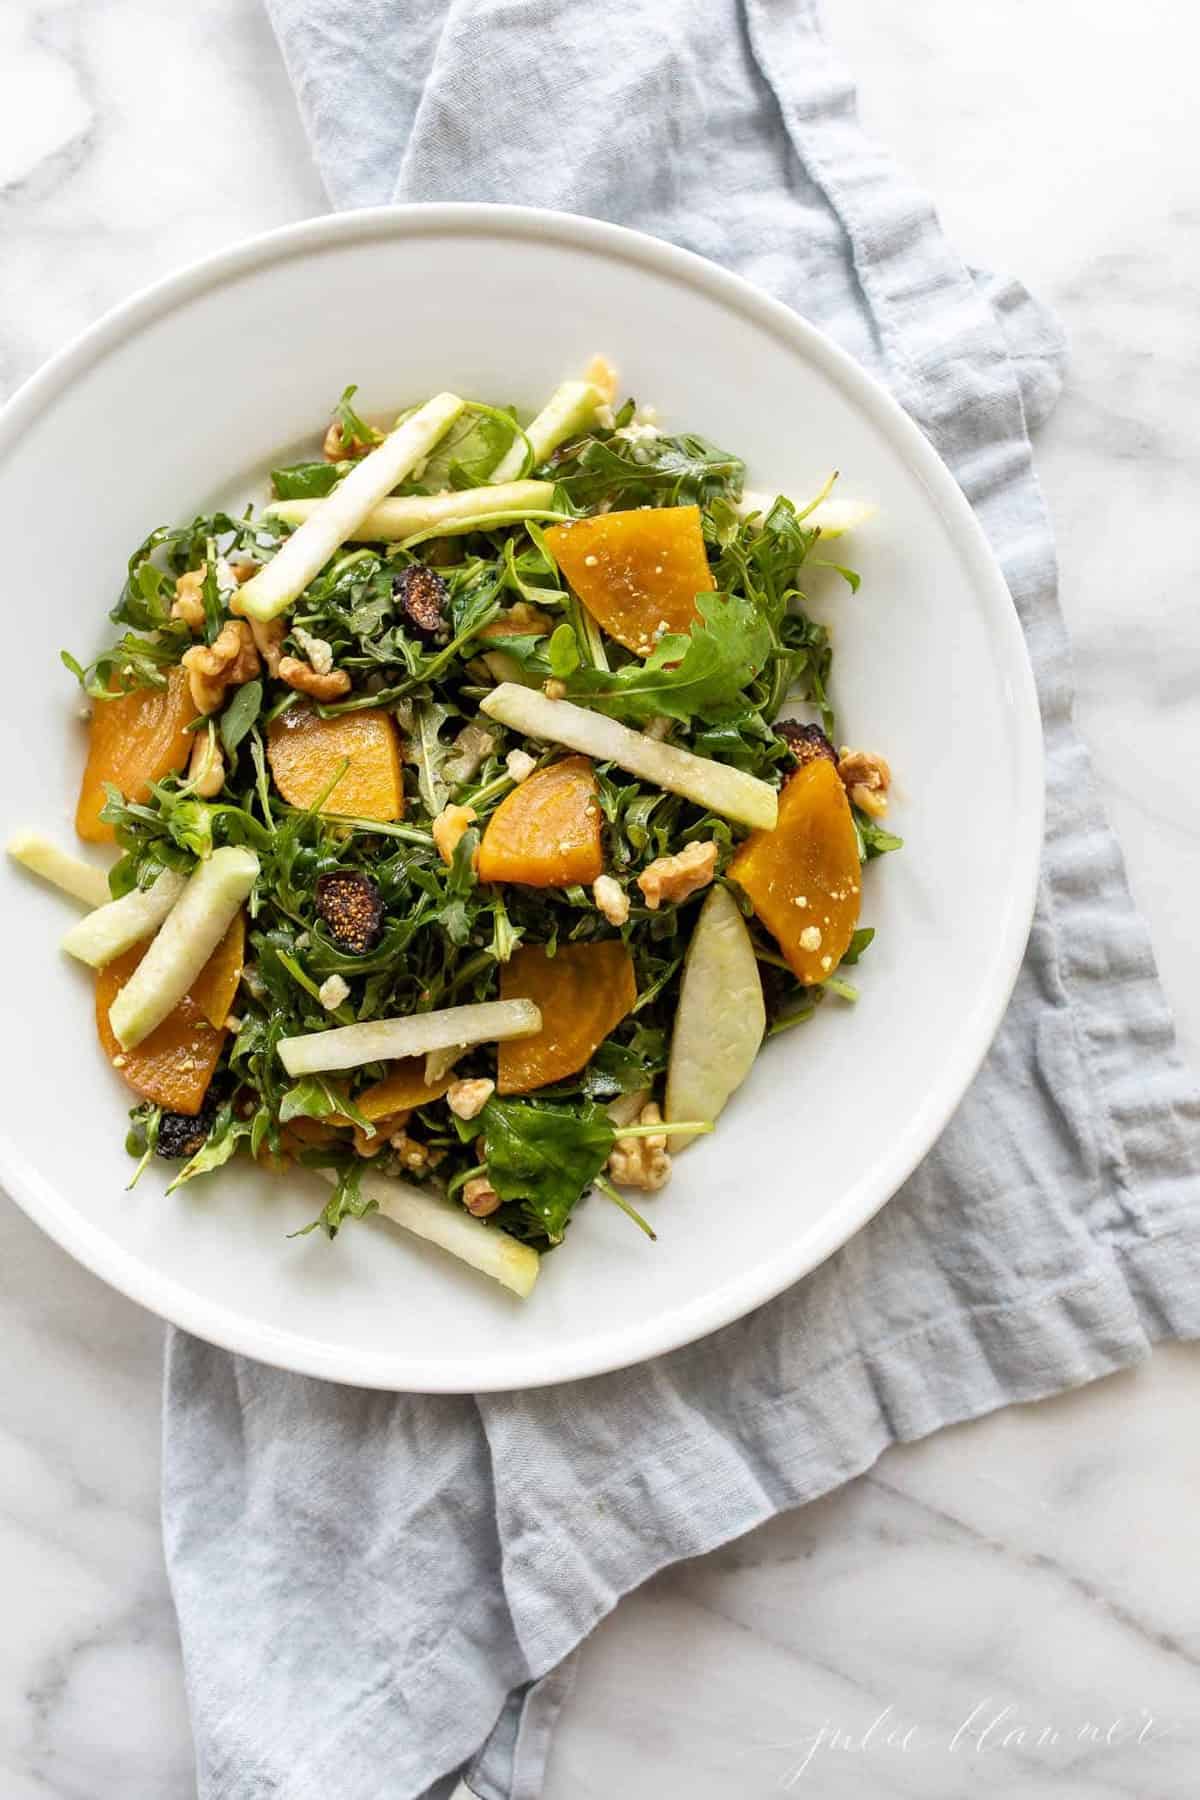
<point x="448" y="1225"/>
<point x="405" y="516"/>
<point x="386" y="1040"/>
<point x="70" y="874"/>
<point x="119" y="924"/>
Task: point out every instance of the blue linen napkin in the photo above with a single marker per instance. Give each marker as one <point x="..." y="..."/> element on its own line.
<point x="376" y="1592"/>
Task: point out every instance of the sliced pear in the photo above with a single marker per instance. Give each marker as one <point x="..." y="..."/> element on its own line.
<point x="187" y="938"/>
<point x="569" y="408"/>
<point x="721" y="1018"/>
<point x="395" y="520"/>
<point x="70" y="874"/>
<point x="387" y="1040"/>
<point x="120" y="924"/>
<point x="832" y="516"/>
<point x="445" y="1223"/>
<point x="724" y="790"/>
<point x="335" y="518"/>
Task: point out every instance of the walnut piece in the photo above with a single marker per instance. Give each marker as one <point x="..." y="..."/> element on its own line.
<point x="866" y="777"/>
<point x="480" y="1197"/>
<point x="611" y="899"/>
<point x="206" y="767"/>
<point x="268" y="634"/>
<point x="306" y="680"/>
<point x="336" y="448"/>
<point x="642" y="1162"/>
<point x="413" y="1156"/>
<point x="467" y="1099"/>
<point x="676" y="878"/>
<point x="227" y="662"/>
<point x="188" y="603"/>
<point x="449" y="828"/>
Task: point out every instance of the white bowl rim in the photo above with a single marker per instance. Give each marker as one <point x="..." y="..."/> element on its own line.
<point x="400" y="1371"/>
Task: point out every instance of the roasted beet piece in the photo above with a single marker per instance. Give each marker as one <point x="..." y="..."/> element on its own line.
<point x="349" y="904"/>
<point x="806" y="742"/>
<point x="424" y="599"/>
<point x="180" y="1135"/>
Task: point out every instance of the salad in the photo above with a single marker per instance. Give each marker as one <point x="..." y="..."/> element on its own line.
<point x="477" y="812"/>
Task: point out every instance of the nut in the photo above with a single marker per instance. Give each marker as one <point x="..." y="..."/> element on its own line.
<point x="467" y="1099"/>
<point x="480" y="1197"/>
<point x="611" y="899"/>
<point x="227" y="662"/>
<point x="337" y="448"/>
<point x="449" y="828"/>
<point x="866" y="778"/>
<point x="206" y="766"/>
<point x="268" y="634"/>
<point x="188" y="603"/>
<point x="642" y="1162"/>
<point x="413" y="1155"/>
<point x="677" y="878"/>
<point x="306" y="680"/>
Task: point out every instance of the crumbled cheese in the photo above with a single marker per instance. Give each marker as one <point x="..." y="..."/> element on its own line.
<point x="332" y="991"/>
<point x="318" y="652"/>
<point x="827" y="962"/>
<point x="520" y="765"/>
<point x="589" y="562"/>
<point x="810" y="938"/>
<point x="611" y="899"/>
<point x="800" y="900"/>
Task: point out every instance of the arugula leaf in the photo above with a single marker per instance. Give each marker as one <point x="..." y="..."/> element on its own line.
<point x="858" y="943"/>
<point x="873" y="840"/>
<point x="241" y="714"/>
<point x="545" y="1156"/>
<point x="354" y="429"/>
<point x="702" y="675"/>
<point x="307" y="480"/>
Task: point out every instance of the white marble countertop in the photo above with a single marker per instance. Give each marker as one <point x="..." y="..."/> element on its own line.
<point x="1012" y="1607"/>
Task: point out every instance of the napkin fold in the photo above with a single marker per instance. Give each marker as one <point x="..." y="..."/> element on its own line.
<point x="379" y="1592"/>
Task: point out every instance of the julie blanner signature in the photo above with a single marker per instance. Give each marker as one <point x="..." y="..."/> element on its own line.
<point x="989" y="1728"/>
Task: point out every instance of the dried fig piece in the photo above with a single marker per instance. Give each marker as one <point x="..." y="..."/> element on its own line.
<point x="181" y="1135"/>
<point x="349" y="903"/>
<point x="806" y="742"/>
<point x="424" y="599"/>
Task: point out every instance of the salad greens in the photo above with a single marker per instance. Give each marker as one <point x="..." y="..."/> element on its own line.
<point x="298" y="593"/>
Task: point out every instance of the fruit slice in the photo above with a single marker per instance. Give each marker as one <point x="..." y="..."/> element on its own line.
<point x="402" y="1089"/>
<point x="174" y="1064"/>
<point x="337" y="517"/>
<point x="638" y="573"/>
<point x="712" y="784"/>
<point x="582" y="992"/>
<point x="832" y="517"/>
<point x="382" y="1040"/>
<point x="546" y="833"/>
<point x="83" y="881"/>
<point x="804" y="878"/>
<point x="305" y="752"/>
<point x="119" y="924"/>
<point x="214" y="988"/>
<point x="485" y="1247"/>
<point x="569" y="410"/>
<point x="186" y="939"/>
<point x="132" y="741"/>
<point x="395" y="520"/>
<point x="720" y="1019"/>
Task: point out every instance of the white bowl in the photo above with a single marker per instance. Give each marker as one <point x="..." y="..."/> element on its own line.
<point x="182" y="398"/>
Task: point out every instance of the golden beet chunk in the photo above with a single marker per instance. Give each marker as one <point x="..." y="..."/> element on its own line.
<point x="546" y="833"/>
<point x="638" y="573"/>
<point x="583" y="993"/>
<point x="305" y="752"/>
<point x="174" y="1065"/>
<point x="132" y="741"/>
<point x="214" y="988"/>
<point x="402" y="1089"/>
<point x="804" y="878"/>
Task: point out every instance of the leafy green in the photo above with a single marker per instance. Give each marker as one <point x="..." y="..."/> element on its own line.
<point x="240" y="714"/>
<point x="702" y="675"/>
<point x="307" y="480"/>
<point x="545" y="1156"/>
<point x="873" y="840"/>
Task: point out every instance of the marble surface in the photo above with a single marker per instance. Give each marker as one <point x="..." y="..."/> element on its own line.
<point x="1013" y="1607"/>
